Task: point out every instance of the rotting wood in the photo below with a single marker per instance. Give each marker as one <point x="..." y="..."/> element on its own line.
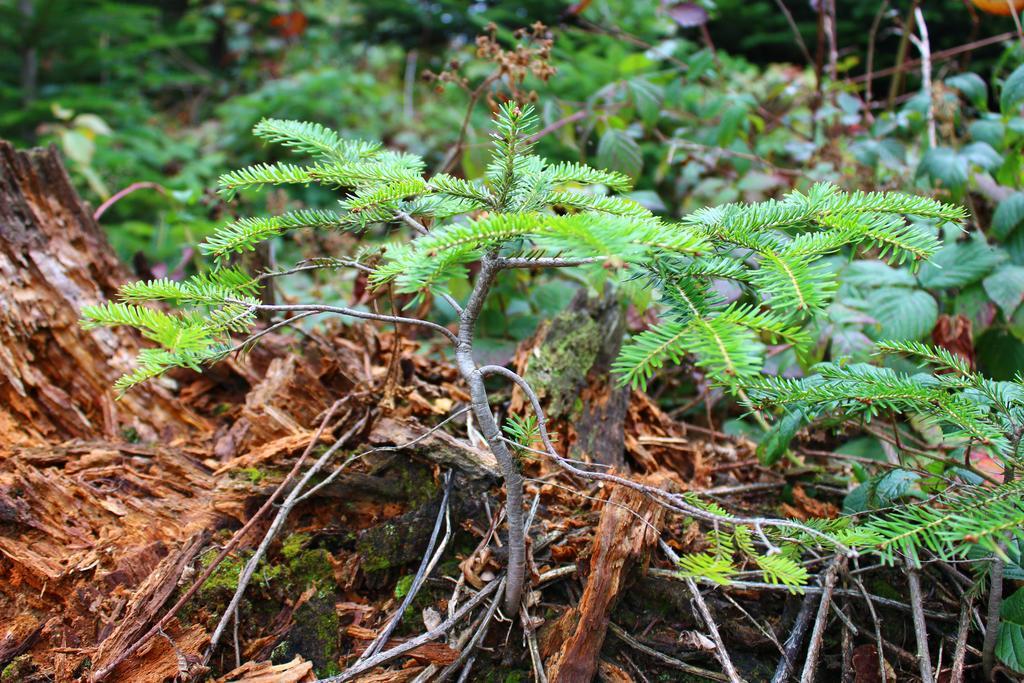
<point x="55" y="377"/>
<point x="625" y="534"/>
<point x="297" y="670"/>
<point x="148" y="599"/>
<point x="439" y="447"/>
<point x="568" y="362"/>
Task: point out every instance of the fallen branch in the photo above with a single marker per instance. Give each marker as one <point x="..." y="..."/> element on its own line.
<point x="828" y="584"/>
<point x="924" y="660"/>
<point x="992" y="617"/>
<point x="814" y="590"/>
<point x="795" y="642"/>
<point x="956" y="670"/>
<point x="413" y="643"/>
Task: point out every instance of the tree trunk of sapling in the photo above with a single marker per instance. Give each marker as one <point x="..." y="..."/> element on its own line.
<point x="492" y="433"/>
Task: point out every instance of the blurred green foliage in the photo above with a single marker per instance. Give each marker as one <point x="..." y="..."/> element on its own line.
<point x="167" y="92"/>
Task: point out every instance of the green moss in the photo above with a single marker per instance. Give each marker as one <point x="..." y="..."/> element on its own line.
<point x="403" y="586"/>
<point x="378" y="548"/>
<point x="279" y="655"/>
<point x="19" y="669"/>
<point x="316" y="636"/>
<point x="224" y="577"/>
<point x="418" y="486"/>
<point x="293" y="545"/>
<point x="218" y="589"/>
<point x="312" y="567"/>
<point x="254" y="475"/>
<point x="560" y="366"/>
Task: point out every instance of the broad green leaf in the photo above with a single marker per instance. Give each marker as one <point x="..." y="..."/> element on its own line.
<point x="1000" y="354"/>
<point x="1013" y="91"/>
<point x="776" y="441"/>
<point x="647" y="97"/>
<point x="1013" y="569"/>
<point x="1008" y="216"/>
<point x="616" y="151"/>
<point x="876" y="274"/>
<point x="974" y="302"/>
<point x="902" y="314"/>
<point x="1006" y="288"/>
<point x="959" y="264"/>
<point x="880" y="491"/>
<point x="945" y="166"/>
<point x="982" y="155"/>
<point x="988" y="130"/>
<point x="729" y="126"/>
<point x="972" y="86"/>
<point x="1010" y="642"/>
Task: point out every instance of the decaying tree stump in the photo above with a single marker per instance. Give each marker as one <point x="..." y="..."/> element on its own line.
<point x="55" y="378"/>
<point x="628" y="529"/>
<point x="107" y="508"/>
<point x="568" y="363"/>
<point x="91" y="520"/>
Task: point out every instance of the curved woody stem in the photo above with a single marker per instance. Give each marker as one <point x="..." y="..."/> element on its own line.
<point x="480" y="405"/>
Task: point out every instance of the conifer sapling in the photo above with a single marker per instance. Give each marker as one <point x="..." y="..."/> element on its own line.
<point x="529" y="213"/>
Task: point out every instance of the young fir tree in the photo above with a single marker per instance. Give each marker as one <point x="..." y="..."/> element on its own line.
<point x="529" y="213"/>
<point x="972" y="511"/>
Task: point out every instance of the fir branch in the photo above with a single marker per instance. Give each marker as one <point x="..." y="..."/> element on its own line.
<point x="245" y="234"/>
<point x="312" y="138"/>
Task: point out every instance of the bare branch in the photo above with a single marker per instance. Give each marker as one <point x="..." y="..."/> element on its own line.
<point x="351" y="312"/>
<point x="422" y="639"/>
<point x="544" y="262"/>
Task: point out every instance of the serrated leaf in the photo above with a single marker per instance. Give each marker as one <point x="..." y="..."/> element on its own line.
<point x="1013" y="91"/>
<point x="1006" y="288"/>
<point x="647" y="97"/>
<point x="902" y="314"/>
<point x="959" y="264"/>
<point x="616" y="151"/>
<point x="1010" y="641"/>
<point x="944" y="165"/>
<point x="1008" y="216"/>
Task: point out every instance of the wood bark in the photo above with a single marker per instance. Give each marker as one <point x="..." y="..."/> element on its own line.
<point x="55" y="377"/>
<point x="93" y="524"/>
<point x="628" y="529"/>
